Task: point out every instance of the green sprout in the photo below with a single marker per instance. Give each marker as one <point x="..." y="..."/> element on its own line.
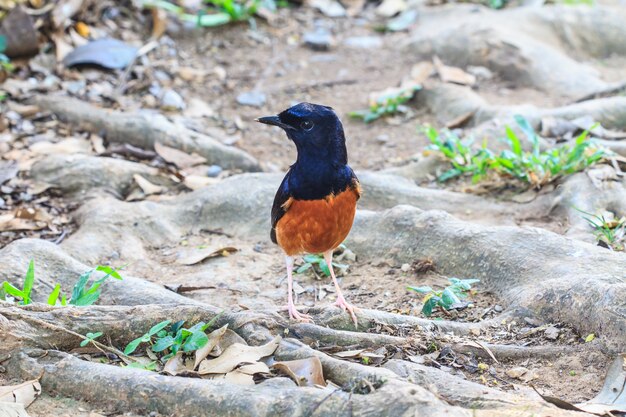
<point x="610" y="233"/>
<point x="535" y="167"/>
<point x="446" y="298"/>
<point x="387" y="103"/>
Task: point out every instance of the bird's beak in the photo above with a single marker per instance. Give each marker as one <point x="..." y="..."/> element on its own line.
<point x="274" y="121"/>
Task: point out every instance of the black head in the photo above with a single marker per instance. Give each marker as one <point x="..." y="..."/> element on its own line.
<point x="315" y="129"/>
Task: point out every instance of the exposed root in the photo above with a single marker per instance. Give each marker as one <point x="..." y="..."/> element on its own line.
<point x="142" y="130"/>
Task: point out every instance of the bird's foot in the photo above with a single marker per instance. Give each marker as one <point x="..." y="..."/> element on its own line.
<point x="341" y="302"/>
<point x="296" y="315"/>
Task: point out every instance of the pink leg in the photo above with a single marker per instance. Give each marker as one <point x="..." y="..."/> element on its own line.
<point x="341" y="302"/>
<point x="293" y="313"/>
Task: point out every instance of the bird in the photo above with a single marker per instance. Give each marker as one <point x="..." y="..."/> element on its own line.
<point x="315" y="205"/>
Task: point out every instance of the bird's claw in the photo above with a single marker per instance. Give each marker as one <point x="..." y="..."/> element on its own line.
<point x="341" y="302"/>
<point x="296" y="315"/>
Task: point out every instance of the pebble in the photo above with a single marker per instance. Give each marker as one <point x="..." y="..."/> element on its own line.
<point x="363" y="42"/>
<point x="252" y="98"/>
<point x="516" y="372"/>
<point x="171" y="100"/>
<point x="552" y="333"/>
<point x="498" y="308"/>
<point x="405" y="268"/>
<point x="2" y="203"/>
<point x="532" y="322"/>
<point x="213" y="171"/>
<point x="382" y="138"/>
<point x="482" y="73"/>
<point x="319" y="40"/>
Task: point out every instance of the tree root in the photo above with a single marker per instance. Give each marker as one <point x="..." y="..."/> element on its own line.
<point x="143" y="130"/>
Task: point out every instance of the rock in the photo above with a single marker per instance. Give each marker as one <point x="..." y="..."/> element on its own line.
<point x="171" y="100"/>
<point x="213" y="171"/>
<point x="532" y="322"/>
<point x="482" y="73"/>
<point x="552" y="333"/>
<point x="498" y="308"/>
<point x="330" y="8"/>
<point x="516" y="372"/>
<point x="319" y="40"/>
<point x="2" y="203"/>
<point x="405" y="268"/>
<point x="363" y="42"/>
<point x="252" y="98"/>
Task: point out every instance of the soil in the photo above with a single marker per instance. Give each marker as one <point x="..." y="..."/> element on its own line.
<point x="272" y="60"/>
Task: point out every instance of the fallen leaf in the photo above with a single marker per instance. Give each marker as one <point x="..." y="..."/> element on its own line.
<point x="239" y="378"/>
<point x="108" y="53"/>
<point x="146" y="186"/>
<point x="69" y="146"/>
<point x="12" y="410"/>
<point x="229" y="338"/>
<point x="175" y="365"/>
<point x="8" y="222"/>
<point x="195" y="256"/>
<point x="179" y="158"/>
<point x="349" y="353"/>
<point x="195" y="182"/>
<point x="214" y="338"/>
<point x="304" y="372"/>
<point x="235" y="355"/>
<point x="453" y="74"/>
<point x="254" y="368"/>
<point x="24" y="393"/>
<point x="159" y="22"/>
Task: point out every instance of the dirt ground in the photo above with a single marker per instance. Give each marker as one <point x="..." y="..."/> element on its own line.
<point x="217" y="65"/>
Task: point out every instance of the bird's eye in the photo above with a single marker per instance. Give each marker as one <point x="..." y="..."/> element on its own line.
<point x="306" y="125"/>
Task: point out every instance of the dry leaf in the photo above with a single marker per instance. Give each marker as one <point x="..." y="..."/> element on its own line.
<point x="8" y="222"/>
<point x="68" y="146"/>
<point x="349" y="353"/>
<point x="453" y="74"/>
<point x="159" y="22"/>
<point x="254" y="368"/>
<point x="229" y="338"/>
<point x="305" y="372"/>
<point x="195" y="256"/>
<point x="195" y="182"/>
<point x="12" y="410"/>
<point x="214" y="337"/>
<point x="24" y="393"/>
<point x="175" y="364"/>
<point x="179" y="158"/>
<point x="235" y="355"/>
<point x="146" y="186"/>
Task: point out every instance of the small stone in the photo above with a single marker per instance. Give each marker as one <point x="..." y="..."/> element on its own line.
<point x="171" y="100"/>
<point x="405" y="267"/>
<point x="532" y="322"/>
<point x="213" y="171"/>
<point x="252" y="98"/>
<point x="26" y="197"/>
<point x="382" y="138"/>
<point x="363" y="42"/>
<point x="498" y="308"/>
<point x="319" y="40"/>
<point x="516" y="372"/>
<point x="551" y="333"/>
<point x="482" y="73"/>
<point x="2" y="203"/>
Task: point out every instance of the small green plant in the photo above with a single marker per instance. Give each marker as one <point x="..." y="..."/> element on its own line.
<point x="534" y="167"/>
<point x="610" y="233"/>
<point x="90" y="337"/>
<point x="5" y="63"/>
<point x="219" y="12"/>
<point x="387" y="103"/>
<point x="173" y="338"/>
<point x="24" y="293"/>
<point x="81" y="296"/>
<point x="446" y="298"/>
<point x="316" y="262"/>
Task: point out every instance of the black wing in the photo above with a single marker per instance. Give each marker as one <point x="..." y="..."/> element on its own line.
<point x="282" y="195"/>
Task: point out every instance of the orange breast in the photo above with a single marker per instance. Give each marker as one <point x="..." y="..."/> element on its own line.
<point x="315" y="226"/>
